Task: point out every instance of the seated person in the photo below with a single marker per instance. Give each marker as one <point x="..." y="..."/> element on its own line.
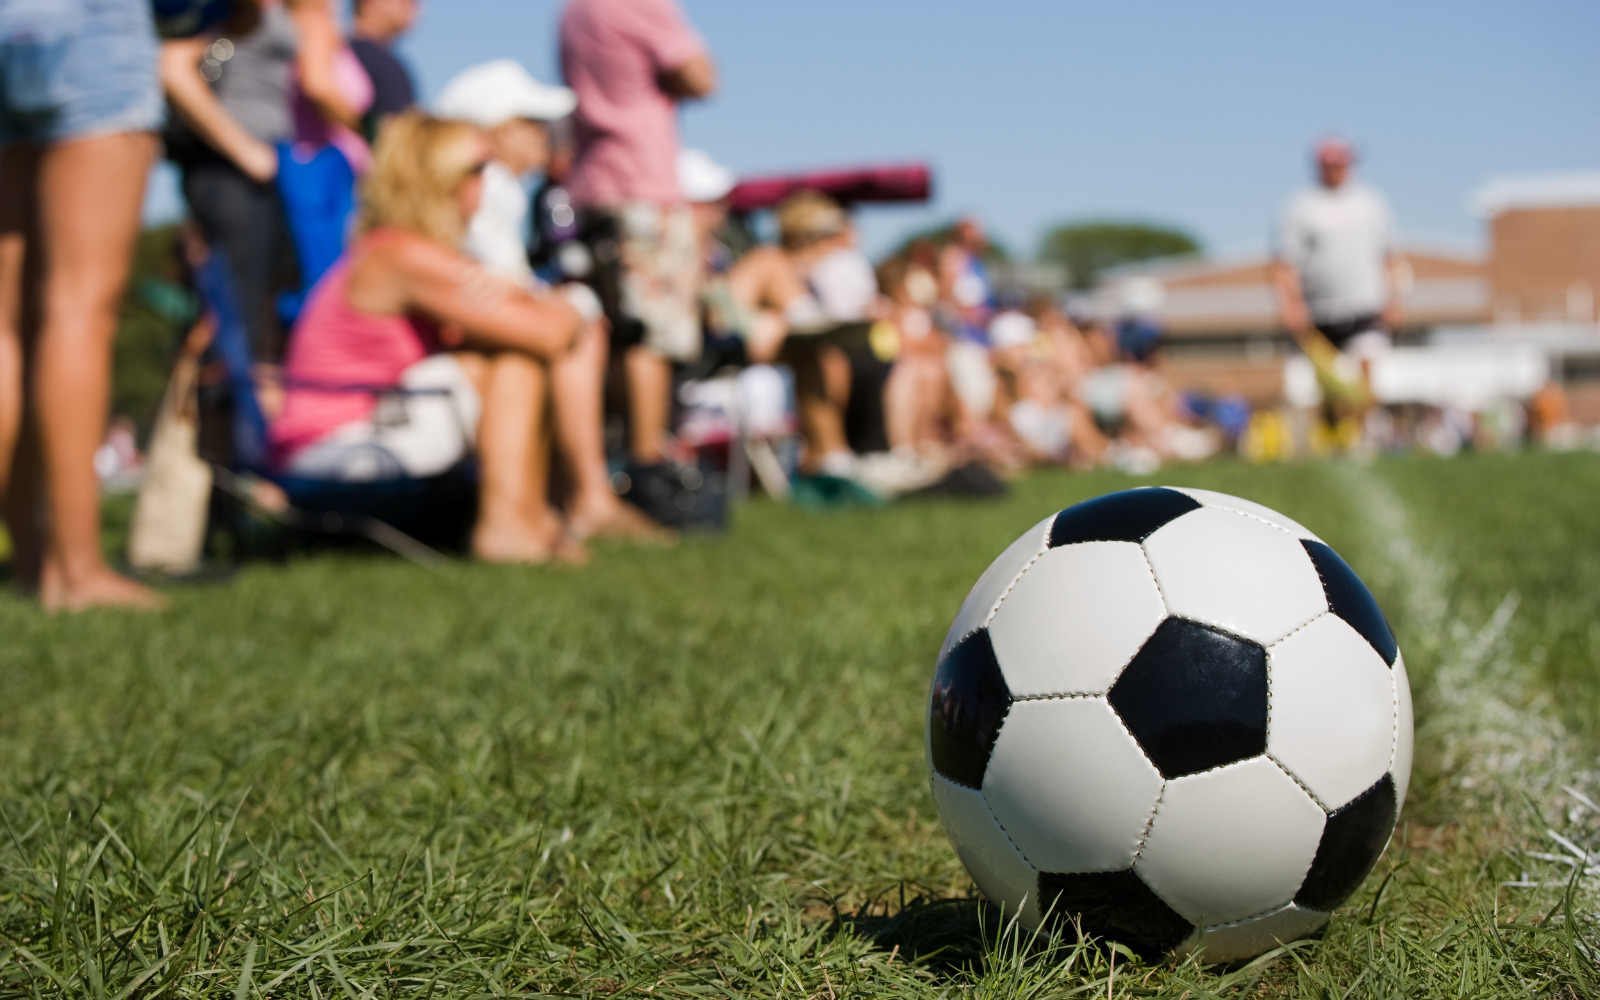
<point x="404" y="307"/>
<point x="814" y="281"/>
<point x="918" y="399"/>
<point x="1035" y="402"/>
<point x="515" y="111"/>
<point x="1129" y="399"/>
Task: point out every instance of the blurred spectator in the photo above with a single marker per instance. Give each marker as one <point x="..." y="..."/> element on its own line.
<point x="779" y="297"/>
<point x="916" y="398"/>
<point x="514" y="110"/>
<point x="631" y="62"/>
<point x="231" y="91"/>
<point x="404" y="307"/>
<point x="317" y="173"/>
<point x="378" y="25"/>
<point x="77" y="115"/>
<point x="1038" y="398"/>
<point x="965" y="290"/>
<point x="556" y="249"/>
<point x="332" y="89"/>
<point x="1336" y="258"/>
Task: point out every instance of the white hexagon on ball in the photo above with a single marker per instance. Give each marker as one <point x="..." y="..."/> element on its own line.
<point x="1075" y="618"/>
<point x="1330" y="710"/>
<point x="1053" y="757"/>
<point x="1002" y="873"/>
<point x="1401" y="765"/>
<point x="1231" y="843"/>
<point x="1240" y="505"/>
<point x="1233" y="571"/>
<point x="995" y="581"/>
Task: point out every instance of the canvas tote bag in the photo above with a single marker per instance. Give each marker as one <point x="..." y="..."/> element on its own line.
<point x="169" y="521"/>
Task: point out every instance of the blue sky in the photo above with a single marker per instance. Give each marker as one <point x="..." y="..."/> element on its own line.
<point x="1196" y="114"/>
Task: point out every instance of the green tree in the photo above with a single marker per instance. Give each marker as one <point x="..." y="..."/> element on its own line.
<point x="943" y="233"/>
<point x="1089" y="248"/>
<point x="153" y="319"/>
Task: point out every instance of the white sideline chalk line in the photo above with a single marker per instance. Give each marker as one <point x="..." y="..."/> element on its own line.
<point x="1500" y="742"/>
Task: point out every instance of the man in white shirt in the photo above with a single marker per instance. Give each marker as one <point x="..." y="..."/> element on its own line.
<point x="1336" y="259"/>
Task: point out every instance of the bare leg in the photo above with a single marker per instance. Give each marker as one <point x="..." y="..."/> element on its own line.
<point x="89" y="197"/>
<point x="18" y="313"/>
<point x="515" y="523"/>
<point x="576" y="384"/>
<point x="1088" y="444"/>
<point x="822" y="388"/>
<point x="764" y="283"/>
<point x="900" y="404"/>
<point x="16" y="192"/>
<point x="649" y="402"/>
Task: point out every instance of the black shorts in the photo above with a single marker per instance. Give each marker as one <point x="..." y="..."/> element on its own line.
<point x="1340" y="333"/>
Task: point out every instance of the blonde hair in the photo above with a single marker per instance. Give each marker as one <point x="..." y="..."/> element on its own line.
<point x="808" y="216"/>
<point x="417" y="166"/>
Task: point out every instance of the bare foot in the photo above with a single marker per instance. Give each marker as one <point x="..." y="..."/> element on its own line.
<point x="512" y="543"/>
<point x="518" y="541"/>
<point x="100" y="589"/>
<point x="613" y="518"/>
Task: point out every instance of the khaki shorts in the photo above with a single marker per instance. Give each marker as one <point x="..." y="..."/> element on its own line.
<point x="661" y="274"/>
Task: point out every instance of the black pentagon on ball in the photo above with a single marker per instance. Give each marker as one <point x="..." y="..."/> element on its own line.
<point x="1113" y="905"/>
<point x="968" y="703"/>
<point x="1124" y="516"/>
<point x="1194" y="697"/>
<point x="1352" y="841"/>
<point x="1350" y="599"/>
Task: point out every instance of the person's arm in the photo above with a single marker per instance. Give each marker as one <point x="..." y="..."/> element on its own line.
<point x="197" y="104"/>
<point x="491" y="312"/>
<point x="1288" y="244"/>
<point x="692" y="80"/>
<point x="1291" y="300"/>
<point x="1398" y="270"/>
<point x="684" y="70"/>
<point x="319" y="47"/>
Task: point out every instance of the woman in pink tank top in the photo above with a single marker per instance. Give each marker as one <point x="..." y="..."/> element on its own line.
<point x="405" y="308"/>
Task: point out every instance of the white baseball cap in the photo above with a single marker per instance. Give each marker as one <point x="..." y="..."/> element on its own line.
<point x="701" y="178"/>
<point x="498" y="91"/>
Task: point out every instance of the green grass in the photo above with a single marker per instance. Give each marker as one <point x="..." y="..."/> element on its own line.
<point x="700" y="772"/>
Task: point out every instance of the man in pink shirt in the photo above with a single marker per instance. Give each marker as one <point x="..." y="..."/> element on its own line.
<point x="631" y="62"/>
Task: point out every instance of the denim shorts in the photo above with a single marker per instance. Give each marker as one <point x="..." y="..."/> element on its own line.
<point x="76" y="68"/>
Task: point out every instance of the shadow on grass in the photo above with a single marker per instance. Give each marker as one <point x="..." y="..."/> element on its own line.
<point x="945" y="936"/>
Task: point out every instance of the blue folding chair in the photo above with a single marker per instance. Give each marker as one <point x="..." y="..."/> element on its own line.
<point x="377" y="509"/>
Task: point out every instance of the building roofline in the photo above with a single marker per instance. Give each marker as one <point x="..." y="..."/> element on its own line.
<point x="1565" y="189"/>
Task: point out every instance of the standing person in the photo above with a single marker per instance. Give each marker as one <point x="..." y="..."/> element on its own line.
<point x="631" y="62"/>
<point x="378" y="25"/>
<point x="317" y="172"/>
<point x="77" y="119"/>
<point x="231" y="90"/>
<point x="1336" y="259"/>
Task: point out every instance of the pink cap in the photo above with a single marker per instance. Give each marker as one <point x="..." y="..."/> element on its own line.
<point x="1332" y="149"/>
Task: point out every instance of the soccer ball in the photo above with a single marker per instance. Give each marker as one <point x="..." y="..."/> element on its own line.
<point x="1174" y="717"/>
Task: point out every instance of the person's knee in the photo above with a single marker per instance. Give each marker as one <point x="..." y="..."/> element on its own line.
<point x="84" y="314"/>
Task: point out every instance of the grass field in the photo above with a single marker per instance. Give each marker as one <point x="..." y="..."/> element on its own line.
<point x="700" y="772"/>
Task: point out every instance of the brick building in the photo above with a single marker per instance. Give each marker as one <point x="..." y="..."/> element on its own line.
<point x="1544" y="247"/>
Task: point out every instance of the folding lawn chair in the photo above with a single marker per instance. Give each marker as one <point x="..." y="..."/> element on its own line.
<point x="377" y="510"/>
